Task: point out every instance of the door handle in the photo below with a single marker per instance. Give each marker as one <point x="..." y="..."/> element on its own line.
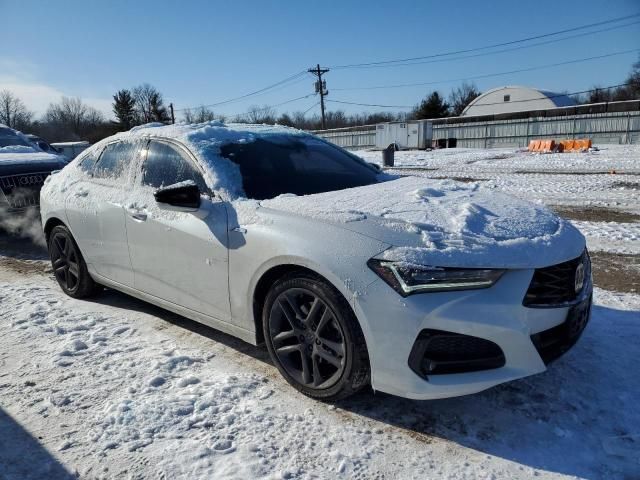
<point x="137" y="215"/>
<point x="81" y="193"/>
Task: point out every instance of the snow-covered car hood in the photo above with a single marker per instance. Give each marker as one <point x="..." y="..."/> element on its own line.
<point x="445" y="223"/>
<point x="29" y="158"/>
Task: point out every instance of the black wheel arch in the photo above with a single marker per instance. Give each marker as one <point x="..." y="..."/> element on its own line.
<point x="270" y="277"/>
<point x="50" y="225"/>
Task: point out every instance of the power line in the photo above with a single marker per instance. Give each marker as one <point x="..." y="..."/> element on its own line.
<point x="486" y="104"/>
<point x="495" y="74"/>
<point x="268" y="107"/>
<point x="370" y="104"/>
<point x="310" y="108"/>
<point x="504" y="50"/>
<point x="264" y="108"/>
<point x="256" y="92"/>
<point x="487" y="47"/>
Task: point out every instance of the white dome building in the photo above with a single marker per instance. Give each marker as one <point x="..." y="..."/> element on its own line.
<point x="515" y="99"/>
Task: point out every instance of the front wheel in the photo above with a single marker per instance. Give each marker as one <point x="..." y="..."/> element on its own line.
<point x="314" y="338"/>
<point x="68" y="265"/>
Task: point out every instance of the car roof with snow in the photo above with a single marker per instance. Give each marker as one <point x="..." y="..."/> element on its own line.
<point x="205" y="140"/>
<point x="214" y="131"/>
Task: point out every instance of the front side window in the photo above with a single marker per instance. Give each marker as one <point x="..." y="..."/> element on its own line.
<point x="115" y="159"/>
<point x="303" y="165"/>
<point x="165" y="165"/>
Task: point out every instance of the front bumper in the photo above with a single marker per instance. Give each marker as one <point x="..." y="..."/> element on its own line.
<point x="392" y="324"/>
<point x="21" y="192"/>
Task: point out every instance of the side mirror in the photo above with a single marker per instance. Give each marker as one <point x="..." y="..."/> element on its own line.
<point x="184" y="194"/>
<point x="375" y="166"/>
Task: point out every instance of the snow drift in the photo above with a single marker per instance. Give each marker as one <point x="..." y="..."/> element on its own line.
<point x="445" y="223"/>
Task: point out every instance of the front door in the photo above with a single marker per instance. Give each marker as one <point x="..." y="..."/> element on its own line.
<point x="178" y="255"/>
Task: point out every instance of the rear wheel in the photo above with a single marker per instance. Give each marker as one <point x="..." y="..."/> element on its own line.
<point x="314" y="338"/>
<point x="68" y="265"/>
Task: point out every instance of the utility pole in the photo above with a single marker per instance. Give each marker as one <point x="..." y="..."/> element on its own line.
<point x="321" y="87"/>
<point x="173" y="117"/>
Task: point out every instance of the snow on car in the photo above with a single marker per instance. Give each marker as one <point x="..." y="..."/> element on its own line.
<point x="421" y="288"/>
<point x="23" y="169"/>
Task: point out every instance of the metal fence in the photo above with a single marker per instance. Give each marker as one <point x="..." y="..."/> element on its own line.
<point x="603" y="127"/>
<point x="351" y="137"/>
<point x="600" y="127"/>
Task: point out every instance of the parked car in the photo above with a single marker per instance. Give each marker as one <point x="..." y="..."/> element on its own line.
<point x="23" y="170"/>
<point x="71" y="149"/>
<point x="421" y="288"/>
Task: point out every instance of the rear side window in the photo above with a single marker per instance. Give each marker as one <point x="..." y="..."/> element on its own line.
<point x="87" y="162"/>
<point x="114" y="160"/>
<point x="166" y="165"/>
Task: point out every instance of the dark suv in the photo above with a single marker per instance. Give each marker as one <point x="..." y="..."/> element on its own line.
<point x="23" y="169"/>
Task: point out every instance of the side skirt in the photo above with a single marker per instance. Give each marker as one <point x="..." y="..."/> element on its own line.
<point x="225" y="327"/>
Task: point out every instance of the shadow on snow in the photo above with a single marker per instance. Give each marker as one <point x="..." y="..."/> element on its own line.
<point x="23" y="456"/>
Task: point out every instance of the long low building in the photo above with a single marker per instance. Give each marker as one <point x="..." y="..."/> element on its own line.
<point x="604" y="123"/>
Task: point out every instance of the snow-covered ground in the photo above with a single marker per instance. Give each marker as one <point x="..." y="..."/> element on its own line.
<point x="619" y="158"/>
<point x="569" y="180"/>
<point x="115" y="388"/>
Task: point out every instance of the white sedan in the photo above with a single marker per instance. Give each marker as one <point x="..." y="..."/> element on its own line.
<point x="351" y="277"/>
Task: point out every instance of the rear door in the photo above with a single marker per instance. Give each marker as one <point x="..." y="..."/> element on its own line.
<point x="95" y="210"/>
<point x="178" y="255"/>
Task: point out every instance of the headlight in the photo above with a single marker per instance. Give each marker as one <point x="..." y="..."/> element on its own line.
<point x="408" y="279"/>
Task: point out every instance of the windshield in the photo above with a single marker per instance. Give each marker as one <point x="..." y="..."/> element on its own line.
<point x="8" y="138"/>
<point x="301" y="165"/>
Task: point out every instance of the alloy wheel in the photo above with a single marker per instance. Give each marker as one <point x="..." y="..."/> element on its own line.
<point x="307" y="338"/>
<point x="65" y="261"/>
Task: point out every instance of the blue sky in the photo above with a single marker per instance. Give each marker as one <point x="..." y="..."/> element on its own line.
<point x="202" y="52"/>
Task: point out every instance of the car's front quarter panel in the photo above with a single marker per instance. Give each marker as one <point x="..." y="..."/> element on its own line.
<point x="266" y="239"/>
<point x="53" y="197"/>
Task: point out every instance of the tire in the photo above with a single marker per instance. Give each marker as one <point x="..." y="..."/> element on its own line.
<point x="68" y="265"/>
<point x="308" y="322"/>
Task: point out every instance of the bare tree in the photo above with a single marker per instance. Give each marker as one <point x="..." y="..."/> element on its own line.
<point x="73" y="117"/>
<point x="13" y="112"/>
<point x="200" y="115"/>
<point x="461" y="97"/>
<point x="599" y="94"/>
<point x="257" y="114"/>
<point x="149" y="104"/>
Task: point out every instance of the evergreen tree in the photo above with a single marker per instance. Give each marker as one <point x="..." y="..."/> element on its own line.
<point x="124" y="108"/>
<point x="432" y="106"/>
<point x="158" y="110"/>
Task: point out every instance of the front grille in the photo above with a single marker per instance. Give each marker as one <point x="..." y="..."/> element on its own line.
<point x="22" y="191"/>
<point x="554" y="342"/>
<point x="439" y="352"/>
<point x="556" y="285"/>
